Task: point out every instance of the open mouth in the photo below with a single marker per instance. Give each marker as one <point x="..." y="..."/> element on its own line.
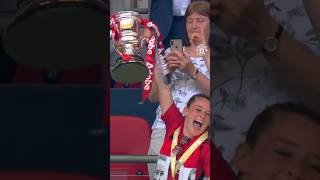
<point x="197" y="124"/>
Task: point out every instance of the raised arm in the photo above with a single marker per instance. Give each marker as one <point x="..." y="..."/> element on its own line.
<point x="154" y="95"/>
<point x="164" y="93"/>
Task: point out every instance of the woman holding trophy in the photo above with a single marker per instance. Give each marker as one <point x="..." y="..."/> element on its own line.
<point x="189" y="68"/>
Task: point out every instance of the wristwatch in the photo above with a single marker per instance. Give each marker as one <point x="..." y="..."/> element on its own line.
<point x="271" y="44"/>
<point x="195" y="74"/>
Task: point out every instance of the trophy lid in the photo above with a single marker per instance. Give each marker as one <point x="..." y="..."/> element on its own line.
<point x="127" y="13"/>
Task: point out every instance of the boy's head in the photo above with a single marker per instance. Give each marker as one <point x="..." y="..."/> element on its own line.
<point x="197" y="115"/>
<point x="281" y="144"/>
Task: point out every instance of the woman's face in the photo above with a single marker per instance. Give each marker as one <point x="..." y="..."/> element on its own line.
<point x="198" y="28"/>
<point x="289" y="150"/>
<point x="197" y="117"/>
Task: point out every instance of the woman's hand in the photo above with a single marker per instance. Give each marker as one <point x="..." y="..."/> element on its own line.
<point x="245" y="18"/>
<point x="172" y="62"/>
<point x="198" y="38"/>
<point x="183" y="62"/>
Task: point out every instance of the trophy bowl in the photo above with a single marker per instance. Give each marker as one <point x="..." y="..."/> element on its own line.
<point x="129" y="72"/>
<point x="128" y="44"/>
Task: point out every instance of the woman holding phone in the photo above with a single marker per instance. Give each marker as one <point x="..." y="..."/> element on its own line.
<point x="189" y="69"/>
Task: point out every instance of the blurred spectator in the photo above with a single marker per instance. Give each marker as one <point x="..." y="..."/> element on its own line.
<point x="280" y="145"/>
<point x="266" y="53"/>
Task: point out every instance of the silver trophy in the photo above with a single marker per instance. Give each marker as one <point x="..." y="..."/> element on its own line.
<point x="128" y="43"/>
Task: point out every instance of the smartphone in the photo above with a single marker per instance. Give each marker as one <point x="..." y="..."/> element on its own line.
<point x="176" y="44"/>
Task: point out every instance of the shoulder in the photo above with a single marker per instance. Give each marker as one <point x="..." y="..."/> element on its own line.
<point x="172" y="115"/>
<point x="205" y="148"/>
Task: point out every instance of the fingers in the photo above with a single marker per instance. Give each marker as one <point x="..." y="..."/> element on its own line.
<point x="171" y="57"/>
<point x="179" y="55"/>
<point x="178" y="60"/>
<point x="198" y="38"/>
<point x="195" y="37"/>
<point x="172" y="61"/>
<point x="175" y="55"/>
<point x="173" y="65"/>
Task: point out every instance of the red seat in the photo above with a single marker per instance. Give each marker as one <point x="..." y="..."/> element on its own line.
<point x="41" y="175"/>
<point x="129" y="135"/>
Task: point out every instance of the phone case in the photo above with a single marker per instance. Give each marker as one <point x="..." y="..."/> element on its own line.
<point x="176" y="44"/>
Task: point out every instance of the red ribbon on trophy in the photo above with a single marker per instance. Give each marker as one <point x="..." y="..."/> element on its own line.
<point x="150" y="55"/>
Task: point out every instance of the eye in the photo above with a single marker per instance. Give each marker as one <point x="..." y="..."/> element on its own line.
<point x="197" y="109"/>
<point x="283" y="153"/>
<point x="189" y="20"/>
<point x="200" y="20"/>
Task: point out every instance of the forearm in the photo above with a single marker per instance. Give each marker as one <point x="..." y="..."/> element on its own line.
<point x="154" y="95"/>
<point x="165" y="97"/>
<point x="296" y="65"/>
<point x="299" y="67"/>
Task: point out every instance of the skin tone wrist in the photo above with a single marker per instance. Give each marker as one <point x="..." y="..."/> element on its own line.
<point x="194" y="71"/>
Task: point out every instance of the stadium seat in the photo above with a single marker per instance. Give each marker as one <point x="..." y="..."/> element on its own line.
<point x="129" y="135"/>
